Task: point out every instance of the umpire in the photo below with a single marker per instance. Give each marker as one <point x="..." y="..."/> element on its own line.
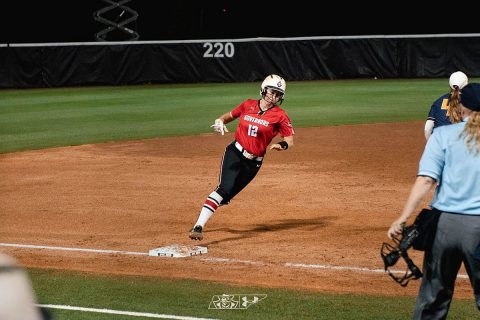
<point x="451" y="158"/>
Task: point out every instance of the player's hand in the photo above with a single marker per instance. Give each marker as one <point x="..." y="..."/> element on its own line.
<point x="282" y="145"/>
<point x="276" y="146"/>
<point x="219" y="126"/>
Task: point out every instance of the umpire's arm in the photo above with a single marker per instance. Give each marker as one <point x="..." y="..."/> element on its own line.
<point x="420" y="189"/>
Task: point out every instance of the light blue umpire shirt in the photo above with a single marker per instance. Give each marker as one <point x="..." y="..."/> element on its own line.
<point x="447" y="159"/>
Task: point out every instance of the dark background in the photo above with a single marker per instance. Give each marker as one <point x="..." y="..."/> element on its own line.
<point x="72" y="20"/>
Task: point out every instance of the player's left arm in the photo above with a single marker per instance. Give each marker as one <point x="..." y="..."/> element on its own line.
<point x="286" y="143"/>
<point x="429" y="124"/>
<point x="287" y="132"/>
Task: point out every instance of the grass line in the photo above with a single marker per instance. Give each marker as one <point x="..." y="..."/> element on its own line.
<point x="118" y="312"/>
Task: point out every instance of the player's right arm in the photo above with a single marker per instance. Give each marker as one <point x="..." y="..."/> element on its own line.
<point x="226" y="117"/>
<point x="219" y="124"/>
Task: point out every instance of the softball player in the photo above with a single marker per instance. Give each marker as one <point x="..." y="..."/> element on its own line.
<point x="259" y="122"/>
<point x="444" y="110"/>
<point x="451" y="158"/>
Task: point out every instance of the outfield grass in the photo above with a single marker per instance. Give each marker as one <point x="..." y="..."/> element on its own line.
<point x="43" y="118"/>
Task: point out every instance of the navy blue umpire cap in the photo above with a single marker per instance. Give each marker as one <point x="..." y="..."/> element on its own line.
<point x="470" y="96"/>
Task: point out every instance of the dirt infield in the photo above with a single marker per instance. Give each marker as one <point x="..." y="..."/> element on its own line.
<point x="314" y="218"/>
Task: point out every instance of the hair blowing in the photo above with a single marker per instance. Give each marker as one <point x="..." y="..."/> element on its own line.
<point x="454" y="106"/>
<point x="472" y="132"/>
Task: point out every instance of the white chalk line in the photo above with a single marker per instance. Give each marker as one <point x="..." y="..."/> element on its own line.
<point x="31" y="246"/>
<point x="211" y="259"/>
<point x="106" y="311"/>
<point x="218" y="260"/>
<point x="125" y="313"/>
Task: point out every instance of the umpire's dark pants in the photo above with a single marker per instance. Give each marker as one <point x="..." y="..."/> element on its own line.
<point x="457" y="240"/>
<point x="236" y="172"/>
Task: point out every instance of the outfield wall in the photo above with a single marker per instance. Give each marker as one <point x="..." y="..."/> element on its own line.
<point x="237" y="60"/>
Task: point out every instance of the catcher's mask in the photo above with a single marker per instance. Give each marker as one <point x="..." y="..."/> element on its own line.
<point x="392" y="253"/>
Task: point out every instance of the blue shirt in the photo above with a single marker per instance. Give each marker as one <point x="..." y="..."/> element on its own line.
<point x="456" y="168"/>
<point x="439" y="112"/>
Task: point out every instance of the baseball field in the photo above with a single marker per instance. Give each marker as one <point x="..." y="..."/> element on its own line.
<point x="93" y="178"/>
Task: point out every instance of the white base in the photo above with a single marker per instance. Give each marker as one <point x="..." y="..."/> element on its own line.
<point x="177" y="251"/>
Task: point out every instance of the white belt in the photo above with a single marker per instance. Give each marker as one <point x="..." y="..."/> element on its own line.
<point x="246" y="154"/>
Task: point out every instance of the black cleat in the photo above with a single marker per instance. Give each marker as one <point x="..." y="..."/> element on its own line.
<point x="196" y="233"/>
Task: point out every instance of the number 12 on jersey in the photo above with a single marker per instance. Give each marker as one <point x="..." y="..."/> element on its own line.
<point x="252" y="130"/>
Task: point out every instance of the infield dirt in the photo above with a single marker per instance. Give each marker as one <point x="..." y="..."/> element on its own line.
<point x="322" y="205"/>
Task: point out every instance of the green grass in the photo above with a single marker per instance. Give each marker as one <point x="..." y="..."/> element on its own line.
<point x="44" y="118"/>
<point x="192" y="298"/>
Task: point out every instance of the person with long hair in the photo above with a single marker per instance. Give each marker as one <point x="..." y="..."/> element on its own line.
<point x="260" y="120"/>
<point x="445" y="109"/>
<point x="451" y="162"/>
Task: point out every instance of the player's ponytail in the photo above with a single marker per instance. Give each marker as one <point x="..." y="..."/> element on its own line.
<point x="454" y="106"/>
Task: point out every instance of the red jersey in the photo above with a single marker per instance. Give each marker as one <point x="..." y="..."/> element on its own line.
<point x="255" y="131"/>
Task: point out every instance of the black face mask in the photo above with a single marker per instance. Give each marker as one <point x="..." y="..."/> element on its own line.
<point x="391" y="254"/>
